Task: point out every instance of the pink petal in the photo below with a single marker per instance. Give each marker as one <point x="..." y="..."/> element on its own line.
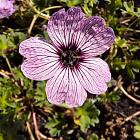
<point x="99" y="44"/>
<point x="62" y="24"/>
<point x="92" y="37"/>
<point x="7" y="8"/>
<point x="36" y="47"/>
<point x="57" y="87"/>
<point x="42" y="60"/>
<point x="40" y="69"/>
<point x="93" y="75"/>
<point x="100" y="66"/>
<point x="65" y="87"/>
<point x="77" y="94"/>
<point x="87" y="28"/>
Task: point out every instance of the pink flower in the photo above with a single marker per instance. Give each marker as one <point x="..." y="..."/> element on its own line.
<point x="69" y="61"/>
<point x="7" y="8"/>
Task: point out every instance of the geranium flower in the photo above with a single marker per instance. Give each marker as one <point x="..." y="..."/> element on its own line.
<point x="7" y="8"/>
<point x="69" y="61"/>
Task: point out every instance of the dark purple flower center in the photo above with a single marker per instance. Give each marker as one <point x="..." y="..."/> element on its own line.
<point x="70" y="57"/>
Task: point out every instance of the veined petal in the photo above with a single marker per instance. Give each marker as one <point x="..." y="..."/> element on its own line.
<point x="36" y="47"/>
<point x="7" y="8"/>
<point x="93" y="75"/>
<point x="61" y="25"/>
<point x="65" y="87"/>
<point x="76" y="94"/>
<point x="40" y="69"/>
<point x="100" y="43"/>
<point x="57" y="87"/>
<point x="42" y="61"/>
<point x="100" y="66"/>
<point x="92" y="37"/>
<point x="88" y="27"/>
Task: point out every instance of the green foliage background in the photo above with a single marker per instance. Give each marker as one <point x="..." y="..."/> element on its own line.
<point x="21" y="98"/>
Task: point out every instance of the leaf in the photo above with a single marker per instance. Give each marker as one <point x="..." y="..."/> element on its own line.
<point x="120" y="42"/>
<point x="130" y="9"/>
<point x="3" y="43"/>
<point x="118" y="3"/>
<point x="137" y="135"/>
<point x="1" y="136"/>
<point x="93" y="137"/>
<point x="118" y="64"/>
<point x="137" y="128"/>
<point x="40" y="94"/>
<point x="135" y="64"/>
<point x="86" y="116"/>
<point x="54" y="131"/>
<point x="9" y="128"/>
<point x="130" y="72"/>
<point x="112" y="97"/>
<point x="14" y="38"/>
<point x="71" y="3"/>
<point x="80" y="138"/>
<point x="52" y="123"/>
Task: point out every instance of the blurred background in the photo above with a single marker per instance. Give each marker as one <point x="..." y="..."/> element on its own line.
<point x="25" y="113"/>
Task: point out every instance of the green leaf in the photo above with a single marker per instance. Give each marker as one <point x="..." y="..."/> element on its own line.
<point x="1" y="136"/>
<point x="71" y="3"/>
<point x="14" y="38"/>
<point x="137" y="128"/>
<point x="130" y="72"/>
<point x="135" y="64"/>
<point x="130" y="9"/>
<point x="120" y="42"/>
<point x="54" y="131"/>
<point x="9" y="128"/>
<point x="118" y="3"/>
<point x="3" y="43"/>
<point x="112" y="97"/>
<point x="137" y="135"/>
<point x="88" y="115"/>
<point x="118" y="64"/>
<point x="40" y="94"/>
<point x="93" y="137"/>
<point x="80" y="138"/>
<point x="52" y="123"/>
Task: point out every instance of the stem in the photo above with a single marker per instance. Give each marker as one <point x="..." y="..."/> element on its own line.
<point x="39" y="14"/>
<point x="14" y="79"/>
<point x="133" y="22"/>
<point x="32" y="23"/>
<point x="44" y="16"/>
<point x="128" y="28"/>
<point x="132" y="116"/>
<point x="49" y="8"/>
<point x="29" y="130"/>
<point x="5" y="74"/>
<point x="38" y="133"/>
<point x="8" y="62"/>
<point x="129" y="96"/>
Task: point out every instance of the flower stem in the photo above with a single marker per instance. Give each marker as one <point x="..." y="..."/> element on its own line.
<point x="29" y="131"/>
<point x="8" y="63"/>
<point x="32" y="23"/>
<point x="38" y="133"/>
<point x="39" y="14"/>
<point x="129" y="96"/>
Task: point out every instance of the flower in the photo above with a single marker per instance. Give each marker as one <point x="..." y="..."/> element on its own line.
<point x="69" y="61"/>
<point x="7" y="8"/>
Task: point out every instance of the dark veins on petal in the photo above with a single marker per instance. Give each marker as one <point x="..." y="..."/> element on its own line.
<point x="70" y="56"/>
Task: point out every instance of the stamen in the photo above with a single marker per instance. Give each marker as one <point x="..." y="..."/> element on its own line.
<point x="70" y="58"/>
